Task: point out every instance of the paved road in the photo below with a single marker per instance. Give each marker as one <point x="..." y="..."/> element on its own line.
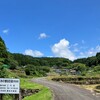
<point x="63" y="91"/>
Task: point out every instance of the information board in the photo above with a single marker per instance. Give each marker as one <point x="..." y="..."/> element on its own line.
<point x="9" y="86"/>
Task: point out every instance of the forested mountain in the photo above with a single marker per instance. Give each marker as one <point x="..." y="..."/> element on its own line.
<point x="43" y="61"/>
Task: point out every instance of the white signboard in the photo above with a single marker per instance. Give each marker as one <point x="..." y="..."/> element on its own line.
<point x="9" y="86"/>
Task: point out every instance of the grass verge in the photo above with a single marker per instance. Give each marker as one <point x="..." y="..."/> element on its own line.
<point x="27" y="84"/>
<point x="44" y="94"/>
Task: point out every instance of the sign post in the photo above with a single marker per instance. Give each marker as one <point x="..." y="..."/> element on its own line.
<point x="9" y="86"/>
<point x="1" y="97"/>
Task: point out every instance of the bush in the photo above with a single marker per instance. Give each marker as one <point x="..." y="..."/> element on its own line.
<point x="3" y="72"/>
<point x="1" y="63"/>
<point x="36" y="70"/>
<point x="98" y="87"/>
<point x="27" y="71"/>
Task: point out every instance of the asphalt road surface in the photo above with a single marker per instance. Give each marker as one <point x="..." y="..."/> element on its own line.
<point x="62" y="91"/>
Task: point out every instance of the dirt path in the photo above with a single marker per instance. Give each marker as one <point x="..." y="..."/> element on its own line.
<point x="63" y="91"/>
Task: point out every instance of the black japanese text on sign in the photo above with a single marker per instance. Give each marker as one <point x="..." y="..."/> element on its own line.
<point x="9" y="86"/>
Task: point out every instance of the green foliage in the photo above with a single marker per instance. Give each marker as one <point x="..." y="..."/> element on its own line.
<point x="44" y="94"/>
<point x="27" y="71"/>
<point x="36" y="70"/>
<point x="79" y="67"/>
<point x="1" y="63"/>
<point x="3" y="72"/>
<point x="44" y="61"/>
<point x="90" y="61"/>
<point x="96" y="68"/>
<point x="11" y="62"/>
<point x="81" y="60"/>
<point x="46" y="69"/>
<point x="3" y="50"/>
<point x="7" y="97"/>
<point x="98" y="57"/>
<point x="27" y="84"/>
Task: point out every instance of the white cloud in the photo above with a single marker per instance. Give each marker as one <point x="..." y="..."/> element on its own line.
<point x="74" y="45"/>
<point x="76" y="50"/>
<point x="34" y="53"/>
<point x="61" y="49"/>
<point x="5" y="31"/>
<point x="90" y="52"/>
<point x="43" y="36"/>
<point x="93" y="51"/>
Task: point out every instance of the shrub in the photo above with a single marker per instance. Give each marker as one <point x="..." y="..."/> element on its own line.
<point x="3" y="72"/>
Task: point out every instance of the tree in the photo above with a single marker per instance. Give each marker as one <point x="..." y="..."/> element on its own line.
<point x="81" y="60"/>
<point x="44" y="61"/>
<point x="3" y="72"/>
<point x="30" y="69"/>
<point x="3" y="49"/>
<point x="98" y="57"/>
<point x="79" y="67"/>
<point x="91" y="61"/>
<point x="13" y="64"/>
<point x="27" y="71"/>
<point x="97" y="68"/>
<point x="36" y="70"/>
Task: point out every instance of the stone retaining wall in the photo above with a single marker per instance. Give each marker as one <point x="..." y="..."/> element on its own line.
<point x="28" y="92"/>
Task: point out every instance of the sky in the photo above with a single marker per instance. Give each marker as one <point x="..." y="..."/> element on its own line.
<point x="51" y="28"/>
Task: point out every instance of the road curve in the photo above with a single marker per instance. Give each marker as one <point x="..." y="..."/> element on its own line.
<point x="63" y="91"/>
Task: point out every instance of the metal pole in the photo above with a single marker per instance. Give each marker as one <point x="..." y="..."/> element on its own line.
<point x="17" y="97"/>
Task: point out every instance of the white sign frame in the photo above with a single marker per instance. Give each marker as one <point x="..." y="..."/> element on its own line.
<point x="9" y="86"/>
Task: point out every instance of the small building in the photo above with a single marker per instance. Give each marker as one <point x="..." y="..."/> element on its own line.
<point x="73" y="72"/>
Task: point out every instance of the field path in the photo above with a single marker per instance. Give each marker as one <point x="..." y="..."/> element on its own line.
<point x="63" y="91"/>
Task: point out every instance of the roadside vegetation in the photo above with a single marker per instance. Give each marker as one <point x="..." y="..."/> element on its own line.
<point x="93" y="87"/>
<point x="44" y="94"/>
